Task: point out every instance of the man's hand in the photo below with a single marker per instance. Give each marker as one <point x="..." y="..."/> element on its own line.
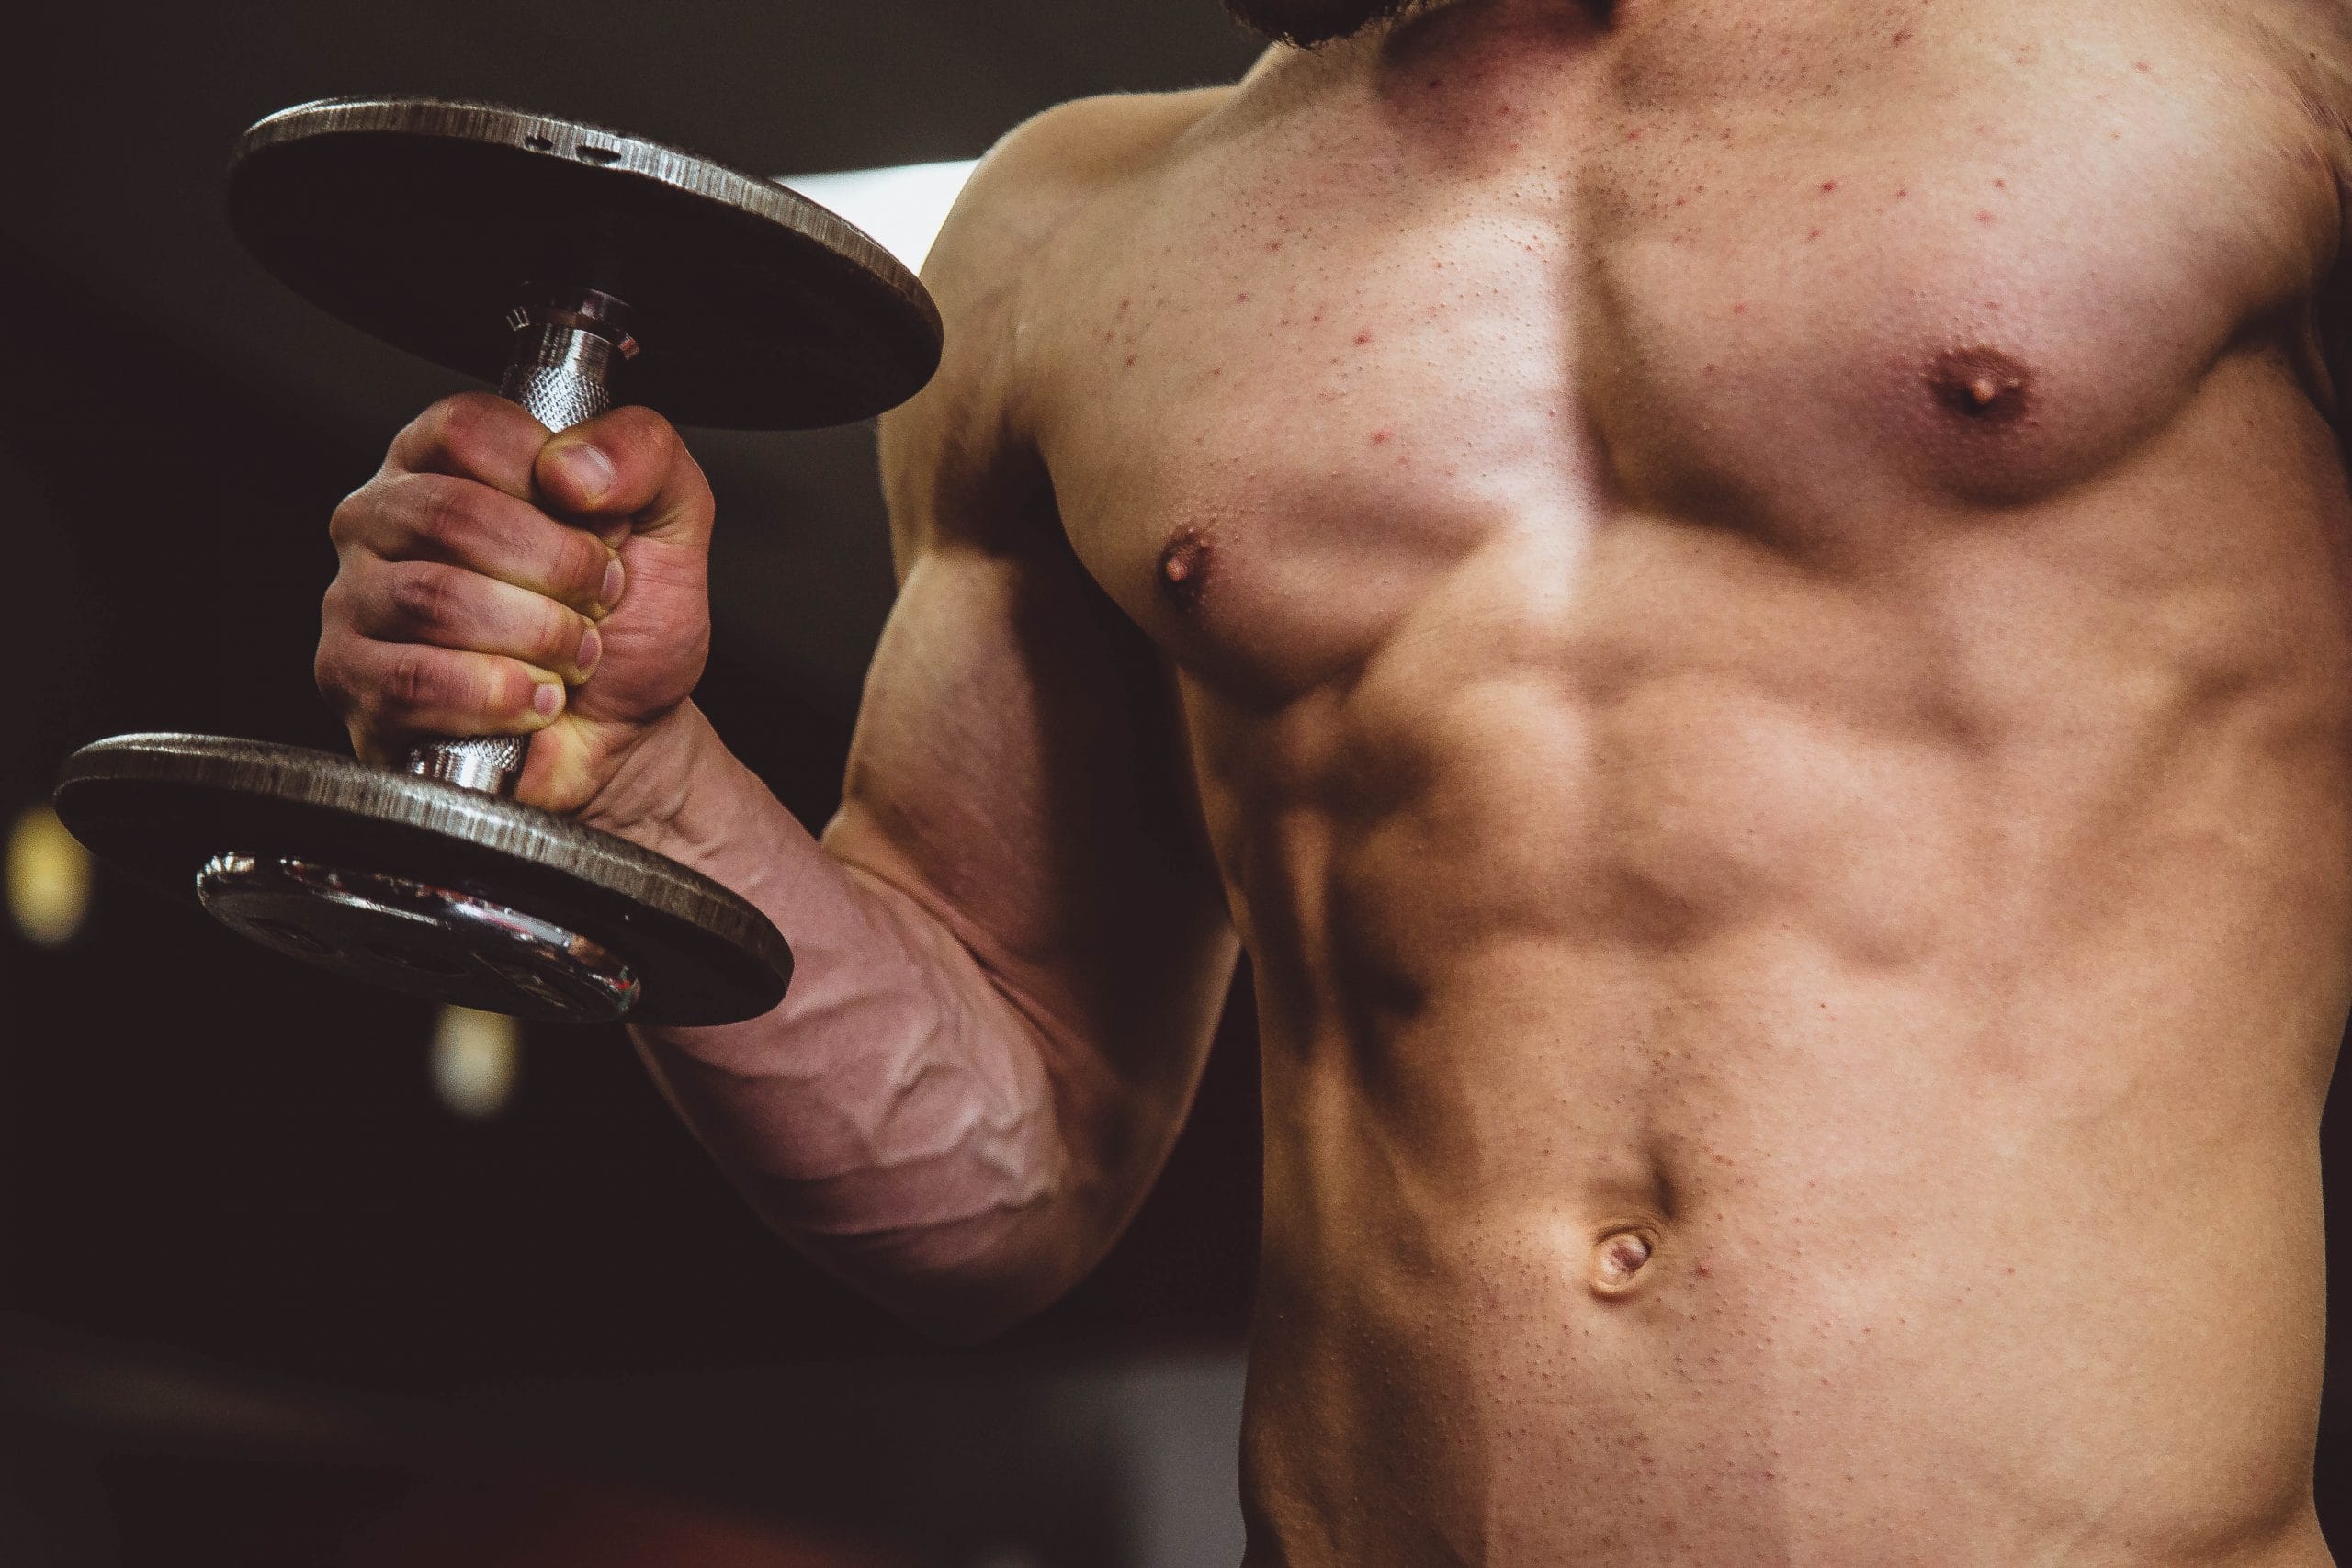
<point x="499" y="580"/>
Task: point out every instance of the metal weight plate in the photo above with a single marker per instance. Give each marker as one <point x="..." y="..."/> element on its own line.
<point x="424" y="220"/>
<point x="610" y="927"/>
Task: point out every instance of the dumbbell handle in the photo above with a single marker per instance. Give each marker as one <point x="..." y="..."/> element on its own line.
<point x="562" y="373"/>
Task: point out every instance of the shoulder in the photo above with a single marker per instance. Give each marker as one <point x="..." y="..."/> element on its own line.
<point x="1044" y="173"/>
<point x="954" y="446"/>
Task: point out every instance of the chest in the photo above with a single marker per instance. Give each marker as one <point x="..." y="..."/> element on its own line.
<point x="1395" y="335"/>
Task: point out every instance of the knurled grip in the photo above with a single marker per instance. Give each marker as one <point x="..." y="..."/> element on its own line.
<point x="491" y="763"/>
<point x="561" y="374"/>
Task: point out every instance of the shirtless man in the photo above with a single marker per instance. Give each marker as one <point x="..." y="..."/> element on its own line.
<point x="1746" y="607"/>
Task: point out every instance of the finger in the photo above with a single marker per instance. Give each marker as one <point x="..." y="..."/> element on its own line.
<point x="628" y="464"/>
<point x="474" y="435"/>
<point x="450" y="607"/>
<point x="390" y="691"/>
<point x="461" y="522"/>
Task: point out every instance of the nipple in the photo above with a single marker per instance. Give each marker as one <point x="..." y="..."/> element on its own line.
<point x="1982" y="385"/>
<point x="1184" y="568"/>
<point x="1618" y="1262"/>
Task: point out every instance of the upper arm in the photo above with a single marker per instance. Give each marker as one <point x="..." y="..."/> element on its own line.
<point x="1018" y="768"/>
<point x="2315" y="42"/>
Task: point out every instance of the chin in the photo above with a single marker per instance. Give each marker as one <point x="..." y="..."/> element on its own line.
<point x="1310" y="22"/>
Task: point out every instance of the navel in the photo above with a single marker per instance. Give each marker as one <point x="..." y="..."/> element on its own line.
<point x="1982" y="385"/>
<point x="1618" y="1262"/>
<point x="1184" y="568"/>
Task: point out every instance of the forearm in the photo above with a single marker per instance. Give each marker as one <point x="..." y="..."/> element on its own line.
<point x="898" y="1117"/>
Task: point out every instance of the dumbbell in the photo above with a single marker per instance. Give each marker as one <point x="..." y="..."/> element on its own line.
<point x="562" y="262"/>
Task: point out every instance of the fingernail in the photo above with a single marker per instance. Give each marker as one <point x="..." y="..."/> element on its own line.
<point x="592" y="648"/>
<point x="615" y="581"/>
<point x="549" y="700"/>
<point x="585" y="470"/>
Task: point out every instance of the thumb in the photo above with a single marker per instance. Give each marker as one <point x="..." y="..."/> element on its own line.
<point x="626" y="471"/>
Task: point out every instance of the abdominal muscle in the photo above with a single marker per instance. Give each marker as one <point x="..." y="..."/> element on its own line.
<point x="1784" y="1111"/>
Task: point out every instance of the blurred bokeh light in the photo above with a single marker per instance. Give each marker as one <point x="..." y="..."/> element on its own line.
<point x="477" y="1060"/>
<point x="49" y="879"/>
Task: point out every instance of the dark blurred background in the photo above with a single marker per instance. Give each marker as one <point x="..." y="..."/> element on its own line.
<point x="264" y="1297"/>
<point x="267" y="1298"/>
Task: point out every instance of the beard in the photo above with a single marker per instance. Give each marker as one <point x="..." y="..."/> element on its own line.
<point x="1310" y="22"/>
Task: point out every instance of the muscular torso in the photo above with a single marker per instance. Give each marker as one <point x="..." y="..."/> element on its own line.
<point x="1759" y="596"/>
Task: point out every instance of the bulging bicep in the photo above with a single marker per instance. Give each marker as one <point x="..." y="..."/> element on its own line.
<point x="1018" y="770"/>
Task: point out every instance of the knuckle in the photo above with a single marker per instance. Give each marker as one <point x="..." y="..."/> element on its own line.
<point x="559" y="637"/>
<point x="638" y="430"/>
<point x="506" y="689"/>
<point x="412" y="679"/>
<point x="347" y="522"/>
<point x="426" y="596"/>
<point x="447" y="512"/>
<point x="580" y="566"/>
<point x="327" y="674"/>
<point x="467" y="426"/>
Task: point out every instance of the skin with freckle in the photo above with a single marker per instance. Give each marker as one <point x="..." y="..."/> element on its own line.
<point x="1746" y="607"/>
<point x="1846" y="793"/>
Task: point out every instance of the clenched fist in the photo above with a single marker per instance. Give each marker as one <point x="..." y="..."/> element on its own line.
<point x="499" y="580"/>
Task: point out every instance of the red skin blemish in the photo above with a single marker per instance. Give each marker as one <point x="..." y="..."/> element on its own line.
<point x="1380" y="437"/>
<point x="1983" y="217"/>
<point x="1274" y="245"/>
<point x="1904" y="192"/>
<point x="1362" y="338"/>
<point x="1242" y="299"/>
<point x="1740" y="309"/>
<point x="1903" y="37"/>
<point x="1815" y="235"/>
<point x="2142" y="65"/>
<point x="2001" y="184"/>
<point x="1828" y="184"/>
<point x="1131" y="361"/>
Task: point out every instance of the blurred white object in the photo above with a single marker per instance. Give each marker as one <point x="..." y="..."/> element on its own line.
<point x="49" y="878"/>
<point x="477" y="1058"/>
<point x="902" y="207"/>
